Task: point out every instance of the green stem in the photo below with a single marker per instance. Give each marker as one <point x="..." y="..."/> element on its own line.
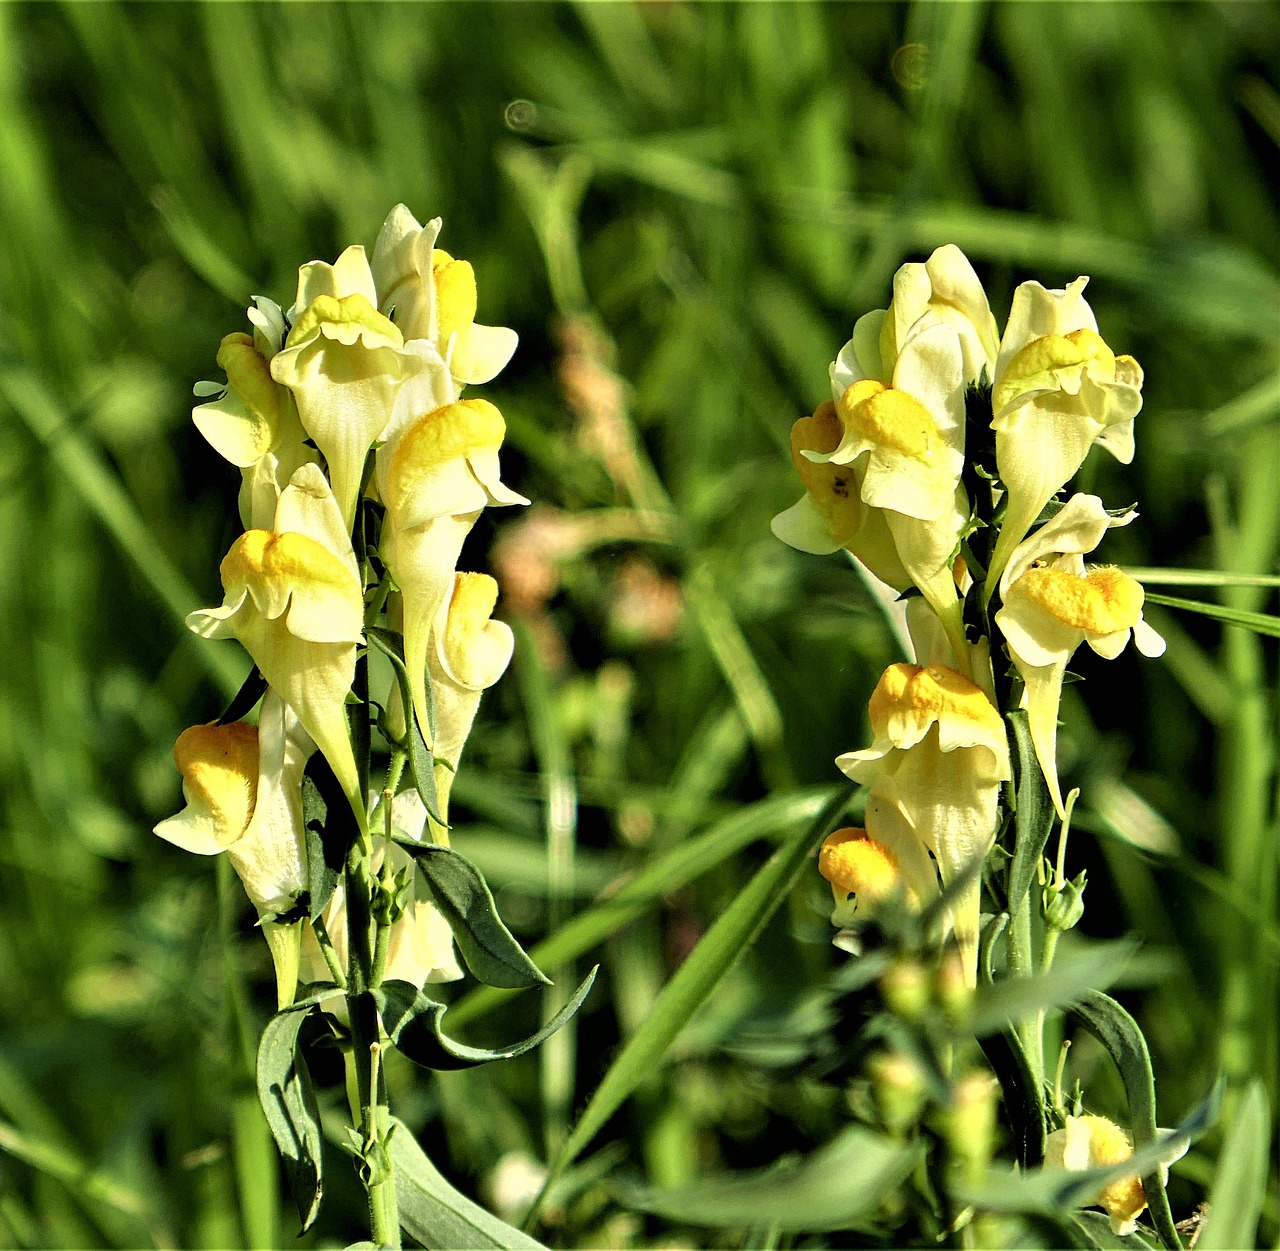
<point x="325" y="943"/>
<point x="1022" y="963"/>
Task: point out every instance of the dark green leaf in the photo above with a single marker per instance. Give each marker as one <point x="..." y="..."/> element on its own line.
<point x="246" y="698"/>
<point x="1033" y="820"/>
<point x="1118" y="1032"/>
<point x="834" y="1188"/>
<point x="412" y="1020"/>
<point x="436" y="1214"/>
<point x="421" y="761"/>
<point x="462" y="895"/>
<point x="289" y="1104"/>
<point x="330" y="828"/>
<point x="1240" y="1180"/>
<point x="1095" y="1229"/>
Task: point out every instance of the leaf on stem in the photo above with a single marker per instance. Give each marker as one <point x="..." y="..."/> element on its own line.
<point x="459" y="890"/>
<point x="1240" y="1181"/>
<point x="412" y="1021"/>
<point x="437" y="1215"/>
<point x="330" y="828"/>
<point x="1258" y="622"/>
<point x="246" y="698"/>
<point x="289" y="1104"/>
<point x="1033" y="819"/>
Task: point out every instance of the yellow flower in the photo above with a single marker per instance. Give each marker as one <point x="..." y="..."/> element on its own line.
<point x="345" y="363"/>
<point x="243" y="791"/>
<point x="432" y="296"/>
<point x="935" y="766"/>
<point x="907" y="442"/>
<point x="435" y="478"/>
<point x="254" y="424"/>
<point x="865" y="872"/>
<point x="294" y="599"/>
<point x="944" y="289"/>
<point x="1053" y="602"/>
<point x="830" y="515"/>
<point x="1058" y="390"/>
<point x="1087" y="1142"/>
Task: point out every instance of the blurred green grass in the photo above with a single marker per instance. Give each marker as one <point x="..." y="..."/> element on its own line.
<point x="711" y="195"/>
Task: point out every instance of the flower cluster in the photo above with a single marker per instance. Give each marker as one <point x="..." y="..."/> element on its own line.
<point x="363" y="470"/>
<point x="978" y="541"/>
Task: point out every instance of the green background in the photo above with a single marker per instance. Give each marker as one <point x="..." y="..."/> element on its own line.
<point x="718" y="191"/>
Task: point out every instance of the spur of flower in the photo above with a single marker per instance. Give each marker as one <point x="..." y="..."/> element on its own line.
<point x="294" y="600"/>
<point x="1058" y="390"/>
<point x="1052" y="602"/>
<point x="243" y="790"/>
<point x="934" y="767"/>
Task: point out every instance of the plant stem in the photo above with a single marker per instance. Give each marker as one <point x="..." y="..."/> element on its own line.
<point x="325" y="943"/>
<point x="1022" y="963"/>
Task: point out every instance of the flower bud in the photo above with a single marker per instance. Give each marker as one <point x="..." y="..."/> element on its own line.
<point x="1064" y="903"/>
<point x="905" y="987"/>
<point x="898" y="1089"/>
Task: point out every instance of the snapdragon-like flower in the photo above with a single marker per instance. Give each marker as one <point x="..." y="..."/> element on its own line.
<point x="432" y="296"/>
<point x="435" y="478"/>
<point x="830" y="515"/>
<point x="243" y="786"/>
<point x="867" y="870"/>
<point x="908" y="442"/>
<point x="420" y="944"/>
<point x="944" y="289"/>
<point x="345" y="363"/>
<point x="1053" y="602"/>
<point x="294" y="599"/>
<point x="1087" y="1142"/>
<point x="1058" y="389"/>
<point x="936" y="762"/>
<point x="254" y="423"/>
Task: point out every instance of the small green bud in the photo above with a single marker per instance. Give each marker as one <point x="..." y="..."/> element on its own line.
<point x="1064" y="904"/>
<point x="969" y="1120"/>
<point x="905" y="987"/>
<point x="898" y="1089"/>
<point x="951" y="987"/>
<point x="390" y="902"/>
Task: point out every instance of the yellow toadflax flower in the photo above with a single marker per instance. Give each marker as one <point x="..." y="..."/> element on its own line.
<point x="432" y="296"/>
<point x="830" y="515"/>
<point x="935" y="766"/>
<point x="243" y="791"/>
<point x="254" y="423"/>
<point x="294" y="600"/>
<point x="435" y="478"/>
<point x="866" y="872"/>
<point x="1058" y="390"/>
<point x="345" y="363"/>
<point x="907" y="443"/>
<point x="1053" y="602"/>
<point x="1087" y="1142"/>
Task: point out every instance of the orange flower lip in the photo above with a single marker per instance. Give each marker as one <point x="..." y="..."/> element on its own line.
<point x="891" y="419"/>
<point x="1102" y="602"/>
<point x="856" y="864"/>
<point x="931" y="693"/>
<point x="219" y="766"/>
<point x="262" y="556"/>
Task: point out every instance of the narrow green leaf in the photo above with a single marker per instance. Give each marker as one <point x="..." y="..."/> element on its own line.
<point x="437" y="1215"/>
<point x="289" y="1103"/>
<point x="246" y="698"/>
<point x="1199" y="577"/>
<point x="1095" y="1229"/>
<point x="1118" y="1032"/>
<point x="330" y="829"/>
<point x="1240" y="1181"/>
<point x="421" y="761"/>
<point x="1258" y="622"/>
<point x="460" y="892"/>
<point x="836" y="1187"/>
<point x="1033" y="820"/>
<point x="412" y="1020"/>
<point x="733" y="932"/>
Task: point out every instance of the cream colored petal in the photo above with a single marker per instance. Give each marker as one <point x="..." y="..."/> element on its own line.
<point x="217" y="623"/>
<point x="1035" y="637"/>
<point x="269" y="327"/>
<point x="232" y="430"/>
<point x="1147" y="641"/>
<point x="394" y="250"/>
<point x="956" y="286"/>
<point x="285" y="942"/>
<point x="1077" y="529"/>
<point x="930" y="367"/>
<point x="1108" y="646"/>
<point x="194" y="829"/>
<point x="483" y="463"/>
<point x="803" y="527"/>
<point x="860" y="357"/>
<point x="427" y="388"/>
<point x="481" y="352"/>
<point x="421" y="949"/>
<point x="348" y="275"/>
<point x="1037" y="312"/>
<point x="888" y="826"/>
<point x="409" y="814"/>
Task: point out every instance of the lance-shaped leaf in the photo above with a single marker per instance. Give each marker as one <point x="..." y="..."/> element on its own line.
<point x="1033" y="821"/>
<point x="246" y="698"/>
<point x="421" y="760"/>
<point x="459" y="890"/>
<point x="1118" y="1032"/>
<point x="412" y="1021"/>
<point x="289" y="1104"/>
<point x="330" y="829"/>
<point x="1240" y="1182"/>
<point x="436" y="1214"/>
